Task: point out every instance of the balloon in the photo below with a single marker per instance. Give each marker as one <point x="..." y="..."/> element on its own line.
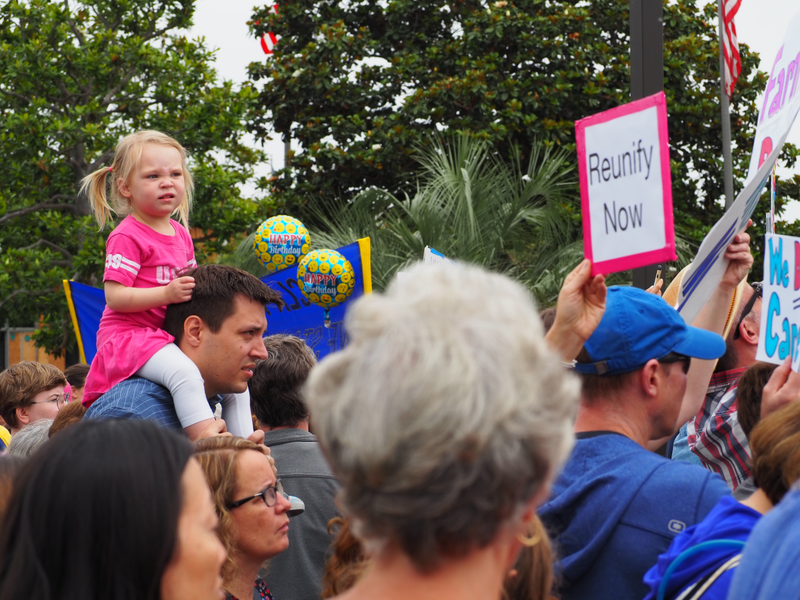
<point x="326" y="279"/>
<point x="280" y="242"/>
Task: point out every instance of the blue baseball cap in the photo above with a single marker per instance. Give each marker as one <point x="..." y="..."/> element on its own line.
<point x="638" y="327"/>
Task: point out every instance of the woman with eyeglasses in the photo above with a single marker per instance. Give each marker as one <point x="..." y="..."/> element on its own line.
<point x="252" y="510"/>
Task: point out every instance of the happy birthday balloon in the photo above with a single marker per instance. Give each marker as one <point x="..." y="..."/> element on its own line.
<point x="326" y="279"/>
<point x="280" y="242"/>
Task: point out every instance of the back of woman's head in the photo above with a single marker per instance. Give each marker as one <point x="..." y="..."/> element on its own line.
<point x="445" y="414"/>
<point x="217" y="457"/>
<point x="127" y="155"/>
<point x="775" y="450"/>
<point x="94" y="514"/>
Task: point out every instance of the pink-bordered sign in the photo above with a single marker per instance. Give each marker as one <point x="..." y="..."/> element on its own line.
<point x="626" y="186"/>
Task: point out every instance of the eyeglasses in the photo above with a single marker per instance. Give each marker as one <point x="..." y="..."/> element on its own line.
<point x="60" y="401"/>
<point x="674" y="357"/>
<point x="269" y="495"/>
<point x="758" y="289"/>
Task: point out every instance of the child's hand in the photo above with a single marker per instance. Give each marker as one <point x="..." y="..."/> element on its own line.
<point x="180" y="290"/>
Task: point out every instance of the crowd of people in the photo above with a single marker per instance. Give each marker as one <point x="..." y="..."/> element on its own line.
<point x="460" y="445"/>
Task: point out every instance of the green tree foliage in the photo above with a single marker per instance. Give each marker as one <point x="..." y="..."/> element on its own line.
<point x="74" y="78"/>
<point x="360" y="84"/>
<point x="469" y="204"/>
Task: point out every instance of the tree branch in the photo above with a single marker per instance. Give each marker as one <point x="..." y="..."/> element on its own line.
<point x="72" y="26"/>
<point x="24" y="291"/>
<point x="42" y="206"/>
<point x="16" y="95"/>
<point x="100" y="160"/>
<point x="50" y="245"/>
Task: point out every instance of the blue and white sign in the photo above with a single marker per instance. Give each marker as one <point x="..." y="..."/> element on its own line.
<point x="780" y="306"/>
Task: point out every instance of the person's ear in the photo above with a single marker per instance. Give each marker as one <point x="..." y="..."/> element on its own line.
<point x="123" y="188"/>
<point x="23" y="418"/>
<point x="748" y="331"/>
<point x="649" y="378"/>
<point x="194" y="330"/>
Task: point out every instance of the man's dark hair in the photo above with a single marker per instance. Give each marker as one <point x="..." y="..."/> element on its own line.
<point x="275" y="396"/>
<point x="76" y="375"/>
<point x="214" y="297"/>
<point x="748" y="394"/>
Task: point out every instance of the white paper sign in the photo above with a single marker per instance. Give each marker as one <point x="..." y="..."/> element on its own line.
<point x="703" y="277"/>
<point x="780" y="306"/>
<point x="626" y="188"/>
<point x="781" y="101"/>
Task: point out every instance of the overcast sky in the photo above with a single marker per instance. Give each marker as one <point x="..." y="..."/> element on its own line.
<point x="761" y="24"/>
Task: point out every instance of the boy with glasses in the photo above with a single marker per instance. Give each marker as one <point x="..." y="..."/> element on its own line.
<point x="30" y="391"/>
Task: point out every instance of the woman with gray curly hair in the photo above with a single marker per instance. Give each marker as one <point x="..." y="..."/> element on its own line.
<point x="446" y="418"/>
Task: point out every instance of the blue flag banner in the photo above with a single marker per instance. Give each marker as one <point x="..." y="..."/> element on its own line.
<point x="299" y="317"/>
<point x="303" y="319"/>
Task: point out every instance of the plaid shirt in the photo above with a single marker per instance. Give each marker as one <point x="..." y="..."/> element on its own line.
<point x="715" y="434"/>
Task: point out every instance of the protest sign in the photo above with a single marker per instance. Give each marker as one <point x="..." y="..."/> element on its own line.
<point x="299" y="317"/>
<point x="626" y="188"/>
<point x="781" y="101"/>
<point x="780" y="304"/>
<point x="434" y="257"/>
<point x="705" y="273"/>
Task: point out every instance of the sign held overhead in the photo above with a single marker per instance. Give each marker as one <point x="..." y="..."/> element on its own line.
<point x="626" y="188"/>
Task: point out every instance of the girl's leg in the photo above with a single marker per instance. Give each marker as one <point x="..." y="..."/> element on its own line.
<point x="236" y="412"/>
<point x="174" y="370"/>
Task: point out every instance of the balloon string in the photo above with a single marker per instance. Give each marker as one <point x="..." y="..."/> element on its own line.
<point x="327" y="318"/>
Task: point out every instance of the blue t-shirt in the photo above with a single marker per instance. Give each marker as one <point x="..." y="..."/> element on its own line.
<point x="729" y="520"/>
<point x="768" y="570"/>
<point x="615" y="508"/>
<point x="138" y="398"/>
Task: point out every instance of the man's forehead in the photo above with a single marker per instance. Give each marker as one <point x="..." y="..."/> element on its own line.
<point x="247" y="311"/>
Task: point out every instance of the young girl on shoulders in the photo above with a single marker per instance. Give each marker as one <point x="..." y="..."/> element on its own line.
<point x="149" y="182"/>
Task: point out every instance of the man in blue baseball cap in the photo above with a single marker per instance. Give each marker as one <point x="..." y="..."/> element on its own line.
<point x="617" y="506"/>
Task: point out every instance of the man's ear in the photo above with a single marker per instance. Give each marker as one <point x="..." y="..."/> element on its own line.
<point x="649" y="378"/>
<point x="193" y="331"/>
<point x="23" y="418"/>
<point x="748" y="331"/>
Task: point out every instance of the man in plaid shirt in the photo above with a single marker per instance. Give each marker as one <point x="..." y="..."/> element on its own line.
<point x="715" y="434"/>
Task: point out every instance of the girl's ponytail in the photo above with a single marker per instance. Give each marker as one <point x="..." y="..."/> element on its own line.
<point x="95" y="185"/>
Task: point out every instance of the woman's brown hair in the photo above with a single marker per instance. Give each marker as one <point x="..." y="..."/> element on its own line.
<point x="775" y="450"/>
<point x="217" y="457"/>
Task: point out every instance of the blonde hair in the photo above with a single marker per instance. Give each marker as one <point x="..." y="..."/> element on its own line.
<point x="126" y="159"/>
